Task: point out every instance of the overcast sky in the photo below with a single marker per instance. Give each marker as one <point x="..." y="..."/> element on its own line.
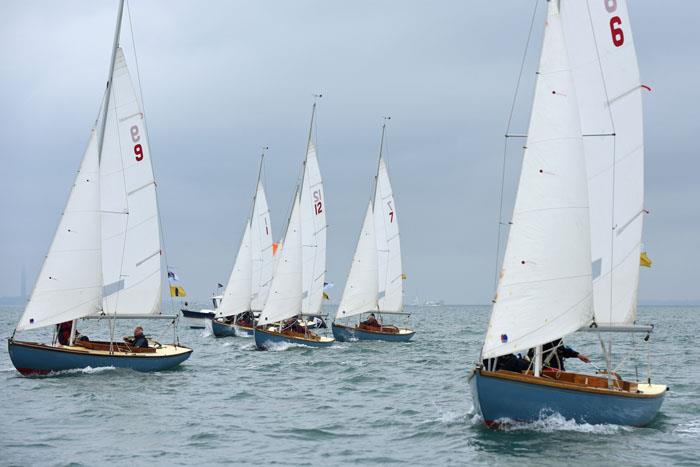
<point x="221" y="79"/>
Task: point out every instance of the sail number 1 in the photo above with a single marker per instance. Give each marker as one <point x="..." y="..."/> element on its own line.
<point x="318" y="202"/>
<point x="136" y="137"/>
<point x="618" y="37"/>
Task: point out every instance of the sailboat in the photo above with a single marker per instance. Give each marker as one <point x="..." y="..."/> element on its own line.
<point x="579" y="200"/>
<point x="296" y="292"/>
<point x="105" y="258"/>
<point x="375" y="282"/>
<point x="249" y="283"/>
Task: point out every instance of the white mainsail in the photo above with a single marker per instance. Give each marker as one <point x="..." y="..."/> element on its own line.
<point x="261" y="250"/>
<point x="131" y="249"/>
<point x="236" y="297"/>
<point x="361" y="288"/>
<point x="285" y="298"/>
<point x="604" y="65"/>
<point x="390" y="273"/>
<point x="69" y="285"/>
<point x="313" y="232"/>
<point x="545" y="289"/>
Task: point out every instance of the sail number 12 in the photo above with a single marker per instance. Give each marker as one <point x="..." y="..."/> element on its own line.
<point x="318" y="202"/>
<point x="618" y="36"/>
<point x="136" y="137"/>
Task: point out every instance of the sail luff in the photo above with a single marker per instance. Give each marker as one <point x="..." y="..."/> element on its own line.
<point x="285" y="298"/>
<point x="360" y="292"/>
<point x="69" y="284"/>
<point x="606" y="74"/>
<point x="131" y="243"/>
<point x="110" y="74"/>
<point x="237" y="295"/>
<point x="389" y="263"/>
<point x="545" y="289"/>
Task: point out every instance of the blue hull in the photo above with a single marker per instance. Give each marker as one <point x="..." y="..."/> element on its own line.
<point x="264" y="340"/>
<point x="222" y="330"/>
<point x="348" y="334"/>
<point x="496" y="399"/>
<point x="195" y="319"/>
<point x="37" y="359"/>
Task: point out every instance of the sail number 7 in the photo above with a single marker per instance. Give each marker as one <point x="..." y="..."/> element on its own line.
<point x="391" y="212"/>
<point x="318" y="202"/>
<point x="618" y="36"/>
<point x="136" y="137"/>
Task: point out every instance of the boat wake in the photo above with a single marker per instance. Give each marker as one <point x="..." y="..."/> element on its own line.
<point x="208" y="329"/>
<point x="282" y="346"/>
<point x="554" y="422"/>
<point x="82" y="371"/>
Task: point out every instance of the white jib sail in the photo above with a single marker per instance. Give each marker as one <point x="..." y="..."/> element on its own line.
<point x="69" y="285"/>
<point x="360" y="293"/>
<point x="390" y="273"/>
<point x="236" y="298"/>
<point x="545" y="289"/>
<point x="261" y="250"/>
<point x="131" y="250"/>
<point x="313" y="231"/>
<point x="604" y="64"/>
<point x="285" y="296"/>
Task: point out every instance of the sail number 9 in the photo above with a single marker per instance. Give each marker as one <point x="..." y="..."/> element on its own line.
<point x="618" y="36"/>
<point x="318" y="202"/>
<point x="136" y="137"/>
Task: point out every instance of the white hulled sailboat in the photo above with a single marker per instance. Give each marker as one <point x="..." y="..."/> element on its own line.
<point x="556" y="275"/>
<point x="375" y="281"/>
<point x="296" y="292"/>
<point x="249" y="283"/>
<point x="105" y="258"/>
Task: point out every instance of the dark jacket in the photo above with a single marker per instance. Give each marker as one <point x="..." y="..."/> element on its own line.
<point x="140" y="341"/>
<point x="510" y="362"/>
<point x="556" y="360"/>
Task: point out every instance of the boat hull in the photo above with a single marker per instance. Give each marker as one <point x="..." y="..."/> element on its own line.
<point x="244" y="331"/>
<point x="518" y="397"/>
<point x="31" y="358"/>
<point x="196" y="319"/>
<point x="265" y="340"/>
<point x="220" y="329"/>
<point x="348" y="333"/>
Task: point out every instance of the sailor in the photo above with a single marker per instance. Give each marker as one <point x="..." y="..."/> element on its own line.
<point x="371" y="321"/>
<point x="64" y="330"/>
<point x="139" y="340"/>
<point x="554" y="353"/>
<point x="510" y="362"/>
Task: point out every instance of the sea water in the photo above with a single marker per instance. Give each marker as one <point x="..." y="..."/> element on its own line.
<point x="357" y="402"/>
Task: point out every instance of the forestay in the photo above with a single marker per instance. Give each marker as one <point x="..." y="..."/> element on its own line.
<point x="360" y="293"/>
<point x="236" y="298"/>
<point x="604" y="63"/>
<point x="285" y="296"/>
<point x="389" y="269"/>
<point x="69" y="285"/>
<point x="313" y="231"/>
<point x="261" y="250"/>
<point x="545" y="289"/>
<point x="131" y="250"/>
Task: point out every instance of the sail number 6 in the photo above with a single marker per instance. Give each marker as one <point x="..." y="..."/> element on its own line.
<point x="318" y="202"/>
<point x="618" y="36"/>
<point x="136" y="137"/>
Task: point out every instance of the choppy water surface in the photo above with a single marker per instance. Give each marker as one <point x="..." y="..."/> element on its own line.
<point x="369" y="403"/>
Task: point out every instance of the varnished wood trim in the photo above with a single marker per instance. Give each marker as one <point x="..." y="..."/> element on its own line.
<point x="542" y="381"/>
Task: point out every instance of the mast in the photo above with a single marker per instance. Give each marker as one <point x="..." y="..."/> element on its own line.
<point x="115" y="45"/>
<point x="257" y="184"/>
<point x="379" y="161"/>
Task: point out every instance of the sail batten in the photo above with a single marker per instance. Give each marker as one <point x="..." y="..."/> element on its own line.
<point x="313" y="233"/>
<point x="285" y="298"/>
<point x="601" y="48"/>
<point x="131" y="248"/>
<point x="545" y="289"/>
<point x="362" y="286"/>
<point x="69" y="284"/>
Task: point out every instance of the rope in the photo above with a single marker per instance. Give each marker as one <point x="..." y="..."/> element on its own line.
<point x="505" y="141"/>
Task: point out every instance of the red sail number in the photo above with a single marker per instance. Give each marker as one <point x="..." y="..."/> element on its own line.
<point x="618" y="37"/>
<point x="136" y="137"/>
<point x="318" y="202"/>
